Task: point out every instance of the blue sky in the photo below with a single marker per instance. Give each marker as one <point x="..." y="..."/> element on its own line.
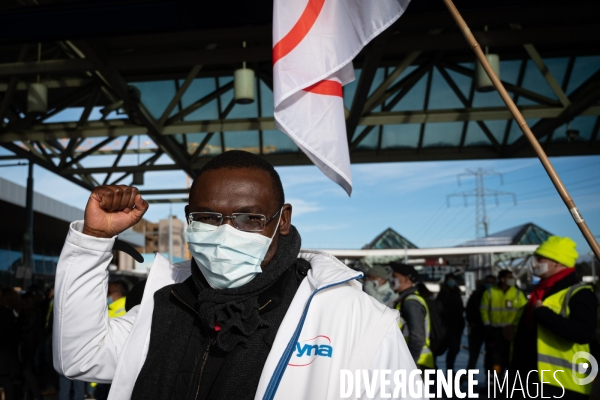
<point x="408" y="197"/>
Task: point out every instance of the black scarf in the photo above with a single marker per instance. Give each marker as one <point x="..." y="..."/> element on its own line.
<point x="246" y="333"/>
<point x="236" y="310"/>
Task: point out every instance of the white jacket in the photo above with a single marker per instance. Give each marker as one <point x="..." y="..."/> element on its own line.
<point x="330" y="325"/>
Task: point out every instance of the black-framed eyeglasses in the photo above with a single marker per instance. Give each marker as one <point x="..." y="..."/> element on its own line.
<point x="246" y="222"/>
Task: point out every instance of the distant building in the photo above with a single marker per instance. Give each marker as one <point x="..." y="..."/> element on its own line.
<point x="390" y="239"/>
<point x="157" y="241"/>
<point x="177" y="237"/>
<point x="51" y="220"/>
<point x="150" y="231"/>
<point x="387" y="240"/>
<point x="528" y="233"/>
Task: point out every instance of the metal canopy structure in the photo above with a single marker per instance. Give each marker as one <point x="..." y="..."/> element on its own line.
<point x="142" y="86"/>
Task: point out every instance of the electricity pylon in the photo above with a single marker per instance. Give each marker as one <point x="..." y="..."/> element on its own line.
<point x="480" y="193"/>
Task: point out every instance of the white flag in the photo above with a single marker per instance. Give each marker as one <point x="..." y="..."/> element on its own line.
<point x="314" y="44"/>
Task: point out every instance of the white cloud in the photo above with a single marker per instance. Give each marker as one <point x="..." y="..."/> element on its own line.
<point x="300" y="207"/>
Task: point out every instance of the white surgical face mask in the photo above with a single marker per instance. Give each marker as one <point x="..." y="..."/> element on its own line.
<point x="511" y="282"/>
<point x="538" y="268"/>
<point x="382" y="293"/>
<point x="227" y="257"/>
<point x="371" y="287"/>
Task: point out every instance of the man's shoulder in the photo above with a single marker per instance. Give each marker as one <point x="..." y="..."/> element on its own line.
<point x="166" y="292"/>
<point x="328" y="271"/>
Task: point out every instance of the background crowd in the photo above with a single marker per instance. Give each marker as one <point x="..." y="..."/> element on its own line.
<point x="526" y="329"/>
<point x="520" y="331"/>
<point x="26" y="370"/>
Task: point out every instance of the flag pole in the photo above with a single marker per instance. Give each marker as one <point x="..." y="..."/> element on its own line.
<point x="560" y="187"/>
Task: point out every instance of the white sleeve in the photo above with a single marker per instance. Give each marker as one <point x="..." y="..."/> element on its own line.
<point x="393" y="361"/>
<point x="85" y="343"/>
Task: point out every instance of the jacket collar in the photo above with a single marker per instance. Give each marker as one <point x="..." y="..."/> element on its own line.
<point x="327" y="270"/>
<point x="407" y="293"/>
<point x="567" y="281"/>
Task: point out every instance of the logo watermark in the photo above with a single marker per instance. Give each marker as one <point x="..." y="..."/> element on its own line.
<point x="387" y="384"/>
<point x="464" y="383"/>
<point x="583" y="367"/>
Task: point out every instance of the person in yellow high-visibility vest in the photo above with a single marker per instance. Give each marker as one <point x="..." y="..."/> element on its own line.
<point x="415" y="316"/>
<point x="556" y="327"/>
<point x="115" y="298"/>
<point x="499" y="307"/>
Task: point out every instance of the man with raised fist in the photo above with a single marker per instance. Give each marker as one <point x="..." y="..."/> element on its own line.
<point x="249" y="316"/>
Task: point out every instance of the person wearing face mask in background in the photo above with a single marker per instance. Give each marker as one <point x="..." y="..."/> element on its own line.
<point x="499" y="308"/>
<point x="450" y="297"/>
<point x="249" y="316"/>
<point x="377" y="285"/>
<point x="475" y="323"/>
<point x="415" y="313"/>
<point x="558" y="321"/>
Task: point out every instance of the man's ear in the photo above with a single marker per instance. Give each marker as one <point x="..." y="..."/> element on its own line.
<point x="286" y="220"/>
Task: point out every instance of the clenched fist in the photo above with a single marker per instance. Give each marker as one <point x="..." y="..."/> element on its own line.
<point x="113" y="209"/>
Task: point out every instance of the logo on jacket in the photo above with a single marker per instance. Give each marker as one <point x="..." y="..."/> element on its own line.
<point x="307" y="351"/>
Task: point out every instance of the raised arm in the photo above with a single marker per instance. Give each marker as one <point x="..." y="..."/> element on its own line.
<point x="86" y="344"/>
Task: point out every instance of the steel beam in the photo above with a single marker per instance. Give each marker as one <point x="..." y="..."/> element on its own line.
<point x="114" y="128"/>
<point x="153" y="61"/>
<point x="377" y="97"/>
<point x="127" y="169"/>
<point x="198" y="104"/>
<point x="583" y="100"/>
<point x="552" y="82"/>
<point x="119" y="86"/>
<point x="528" y="94"/>
<point x="373" y="53"/>
<point x="405" y="87"/>
<point x="180" y="92"/>
<point x="148" y="162"/>
<point x="45" y="67"/>
<point x="11" y="87"/>
<point x="118" y="159"/>
<point x="49" y="83"/>
<point x="19" y="151"/>
<point x="467" y="104"/>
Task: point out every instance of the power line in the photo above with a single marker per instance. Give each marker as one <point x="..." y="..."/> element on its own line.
<point x="480" y="193"/>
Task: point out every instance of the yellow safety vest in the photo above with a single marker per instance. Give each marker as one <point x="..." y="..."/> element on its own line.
<point x="117" y="308"/>
<point x="426" y="358"/>
<point x="556" y="353"/>
<point x="500" y="308"/>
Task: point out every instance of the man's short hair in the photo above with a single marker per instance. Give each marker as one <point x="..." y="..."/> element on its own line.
<point x="237" y="159"/>
<point x="504" y="273"/>
<point x="405" y="270"/>
<point x="121" y="286"/>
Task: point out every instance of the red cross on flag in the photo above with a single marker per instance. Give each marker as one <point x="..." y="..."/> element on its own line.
<point x="314" y="44"/>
